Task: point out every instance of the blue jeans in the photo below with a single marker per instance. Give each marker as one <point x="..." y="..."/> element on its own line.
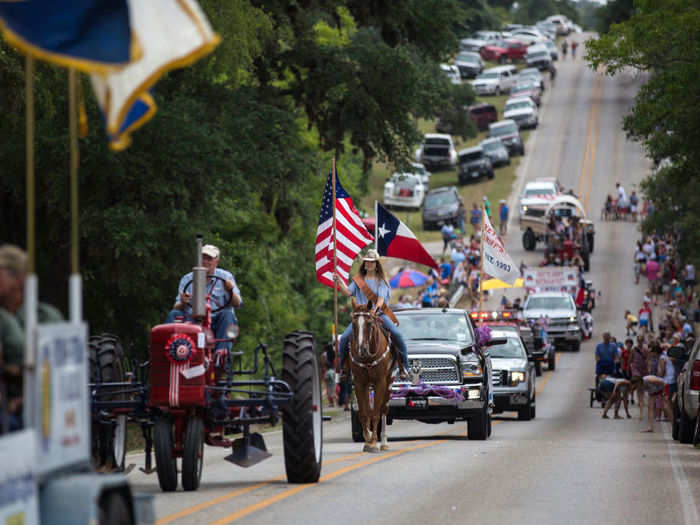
<point x="395" y="335"/>
<point x="220" y="321"/>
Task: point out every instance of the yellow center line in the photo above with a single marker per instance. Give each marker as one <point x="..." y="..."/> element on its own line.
<point x="290" y="492"/>
<point x="225" y="497"/>
<point x="591" y="113"/>
<point x="596" y="129"/>
<point x="549" y="374"/>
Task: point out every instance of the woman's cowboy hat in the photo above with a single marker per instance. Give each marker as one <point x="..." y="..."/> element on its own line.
<point x="371" y="255"/>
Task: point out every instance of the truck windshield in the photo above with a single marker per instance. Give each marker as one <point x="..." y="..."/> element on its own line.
<point x="550" y="303"/>
<point x="444" y="326"/>
<point x="511" y="349"/>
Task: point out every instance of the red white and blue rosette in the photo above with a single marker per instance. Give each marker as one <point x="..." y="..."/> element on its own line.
<point x="180" y="349"/>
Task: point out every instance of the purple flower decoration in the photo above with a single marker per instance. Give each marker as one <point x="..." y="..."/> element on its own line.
<point x="424" y="389"/>
<point x="483" y="334"/>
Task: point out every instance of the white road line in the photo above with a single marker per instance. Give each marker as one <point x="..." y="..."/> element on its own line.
<point x="690" y="511"/>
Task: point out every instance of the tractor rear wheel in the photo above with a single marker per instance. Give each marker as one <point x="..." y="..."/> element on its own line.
<point x="193" y="454"/>
<point x="109" y="437"/>
<point x="302" y="417"/>
<point x="166" y="464"/>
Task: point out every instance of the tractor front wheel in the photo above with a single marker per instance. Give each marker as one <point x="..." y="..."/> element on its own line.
<point x="193" y="454"/>
<point x="302" y="417"/>
<point x="166" y="464"/>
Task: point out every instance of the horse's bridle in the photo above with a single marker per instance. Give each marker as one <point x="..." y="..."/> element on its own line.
<point x="375" y="330"/>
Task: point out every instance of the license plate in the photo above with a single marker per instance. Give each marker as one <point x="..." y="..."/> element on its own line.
<point x="417" y="402"/>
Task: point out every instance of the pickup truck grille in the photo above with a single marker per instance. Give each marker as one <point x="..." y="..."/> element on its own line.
<point x="559" y="323"/>
<point x="499" y="377"/>
<point x="436" y="369"/>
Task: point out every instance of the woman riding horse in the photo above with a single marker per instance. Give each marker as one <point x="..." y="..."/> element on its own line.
<point x="371" y="277"/>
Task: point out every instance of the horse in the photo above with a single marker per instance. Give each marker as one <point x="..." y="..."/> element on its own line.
<point x="372" y="362"/>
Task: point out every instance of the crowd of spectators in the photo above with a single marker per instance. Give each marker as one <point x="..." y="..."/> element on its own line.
<point x="640" y="365"/>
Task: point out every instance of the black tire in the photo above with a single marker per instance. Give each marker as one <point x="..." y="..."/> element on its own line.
<point x="685" y="428"/>
<point x="591" y="242"/>
<point x="533" y="410"/>
<point x="106" y="355"/>
<point x="477" y="426"/>
<point x="166" y="464"/>
<point x="696" y="433"/>
<point x="538" y="368"/>
<point x="489" y="430"/>
<point x="491" y="174"/>
<point x="552" y="362"/>
<point x="498" y="91"/>
<point x="193" y="454"/>
<point x="502" y="59"/>
<point x="675" y="422"/>
<point x="525" y="413"/>
<point x="529" y="240"/>
<point x="302" y="430"/>
<point x="355" y="427"/>
<point x="113" y="509"/>
<point x="576" y="346"/>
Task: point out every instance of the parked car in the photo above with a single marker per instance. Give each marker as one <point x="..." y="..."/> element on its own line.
<point x="424" y="174"/>
<point x="686" y="408"/>
<point x="538" y="56"/>
<point x="523" y="111"/>
<point x="561" y="23"/>
<point x="442" y="205"/>
<point x="437" y="151"/>
<point x="473" y="165"/>
<point x="469" y="64"/>
<point x="503" y="51"/>
<point x="496" y="151"/>
<point x="527" y="36"/>
<point x="531" y="74"/>
<point x="452" y="73"/>
<point x="527" y="89"/>
<point x="487" y="35"/>
<point x="509" y="133"/>
<point x="404" y="190"/>
<point x="552" y="48"/>
<point x="483" y="115"/>
<point x="472" y="44"/>
<point x="564" y="320"/>
<point x="513" y="375"/>
<point x="495" y="80"/>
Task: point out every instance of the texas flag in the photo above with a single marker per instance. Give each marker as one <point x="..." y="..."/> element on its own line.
<point x="394" y="239"/>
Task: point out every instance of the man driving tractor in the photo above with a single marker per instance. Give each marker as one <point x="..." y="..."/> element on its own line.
<point x="222" y="290"/>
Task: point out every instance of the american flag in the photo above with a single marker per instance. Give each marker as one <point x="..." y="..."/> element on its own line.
<point x="351" y="234"/>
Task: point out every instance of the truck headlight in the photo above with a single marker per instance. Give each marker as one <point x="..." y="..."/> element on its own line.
<point x="572" y="318"/>
<point x="523" y="209"/>
<point x="516" y="378"/>
<point x="472" y="371"/>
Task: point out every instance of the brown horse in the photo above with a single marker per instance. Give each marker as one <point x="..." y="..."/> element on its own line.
<point x="372" y="362"/>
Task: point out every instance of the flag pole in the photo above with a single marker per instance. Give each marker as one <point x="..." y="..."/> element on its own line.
<point x="335" y="284"/>
<point x="481" y="255"/>
<point x="376" y="226"/>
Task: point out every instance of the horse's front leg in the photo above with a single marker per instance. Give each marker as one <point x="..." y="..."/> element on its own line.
<point x="362" y="395"/>
<point x="381" y="398"/>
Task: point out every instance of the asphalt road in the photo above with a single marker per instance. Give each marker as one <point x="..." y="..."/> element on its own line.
<point x="566" y="466"/>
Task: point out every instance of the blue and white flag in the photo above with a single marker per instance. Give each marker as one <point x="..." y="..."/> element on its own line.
<point x="172" y="34"/>
<point x="88" y="35"/>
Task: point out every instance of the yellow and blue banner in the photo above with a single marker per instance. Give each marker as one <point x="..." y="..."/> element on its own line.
<point x="94" y="36"/>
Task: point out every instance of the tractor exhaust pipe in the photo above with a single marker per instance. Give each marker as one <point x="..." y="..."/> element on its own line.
<point x="199" y="284"/>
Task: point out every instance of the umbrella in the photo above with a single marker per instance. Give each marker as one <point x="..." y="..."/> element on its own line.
<point x="494" y="284"/>
<point x="408" y="279"/>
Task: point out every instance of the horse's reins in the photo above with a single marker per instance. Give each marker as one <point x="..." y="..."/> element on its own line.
<point x="381" y="357"/>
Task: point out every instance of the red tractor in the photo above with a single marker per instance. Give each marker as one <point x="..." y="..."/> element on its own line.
<point x="191" y="399"/>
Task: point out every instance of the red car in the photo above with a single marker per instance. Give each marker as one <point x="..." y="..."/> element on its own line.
<point x="503" y="51"/>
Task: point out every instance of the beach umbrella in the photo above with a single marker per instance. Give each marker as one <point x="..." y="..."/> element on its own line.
<point x="495" y="284"/>
<point x="408" y="279"/>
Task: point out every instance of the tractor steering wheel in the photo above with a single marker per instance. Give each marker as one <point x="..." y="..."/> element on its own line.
<point x="230" y="294"/>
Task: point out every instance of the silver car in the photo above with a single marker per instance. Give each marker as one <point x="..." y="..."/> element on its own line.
<point x="513" y="376"/>
<point x="686" y="424"/>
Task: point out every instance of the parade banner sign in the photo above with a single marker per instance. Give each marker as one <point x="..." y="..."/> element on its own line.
<point x="551" y="279"/>
<point x="497" y="262"/>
